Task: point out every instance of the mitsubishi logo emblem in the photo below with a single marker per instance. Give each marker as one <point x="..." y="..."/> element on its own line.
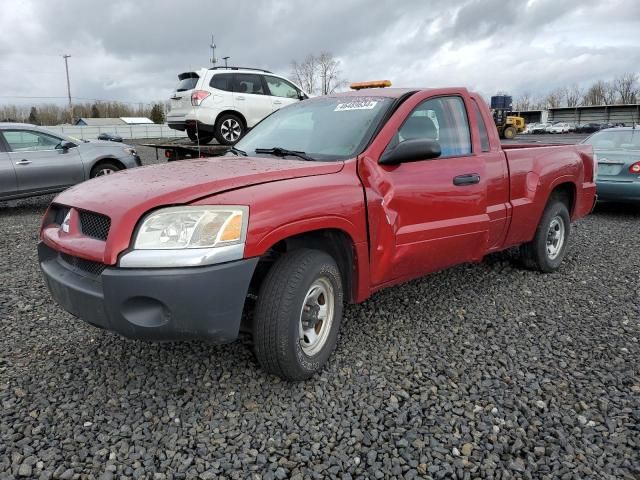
<point x="65" y="222"/>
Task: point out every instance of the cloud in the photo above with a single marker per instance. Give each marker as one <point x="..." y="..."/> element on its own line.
<point x="133" y="49"/>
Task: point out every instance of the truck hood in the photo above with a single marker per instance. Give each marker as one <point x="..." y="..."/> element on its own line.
<point x="135" y="191"/>
<point x="127" y="195"/>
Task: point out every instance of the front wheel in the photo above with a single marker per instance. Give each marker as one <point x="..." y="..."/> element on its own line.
<point x="104" y="168"/>
<point x="298" y="314"/>
<point x="549" y="246"/>
<point x="510" y="132"/>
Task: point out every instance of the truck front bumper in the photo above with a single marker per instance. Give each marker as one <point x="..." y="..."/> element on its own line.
<point x="151" y="304"/>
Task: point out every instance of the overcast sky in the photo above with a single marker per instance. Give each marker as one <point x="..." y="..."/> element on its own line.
<point x="132" y="50"/>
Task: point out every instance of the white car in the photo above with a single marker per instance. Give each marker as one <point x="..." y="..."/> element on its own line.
<point x="559" y="127"/>
<point x="224" y="102"/>
<point x="529" y="128"/>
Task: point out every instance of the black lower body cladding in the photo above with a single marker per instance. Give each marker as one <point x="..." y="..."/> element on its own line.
<point x="153" y="304"/>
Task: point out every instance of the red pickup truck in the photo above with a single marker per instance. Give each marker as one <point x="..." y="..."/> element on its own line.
<point x="323" y="202"/>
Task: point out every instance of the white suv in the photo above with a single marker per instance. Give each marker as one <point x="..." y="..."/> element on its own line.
<point x="223" y="102"/>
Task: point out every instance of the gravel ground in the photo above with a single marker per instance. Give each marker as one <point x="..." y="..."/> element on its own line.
<point x="481" y="371"/>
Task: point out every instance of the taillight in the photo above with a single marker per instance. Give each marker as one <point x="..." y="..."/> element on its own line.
<point x="635" y="168"/>
<point x="197" y="96"/>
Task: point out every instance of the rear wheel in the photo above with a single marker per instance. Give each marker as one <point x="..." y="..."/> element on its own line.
<point x="204" y="138"/>
<point x="104" y="168"/>
<point x="510" y="132"/>
<point x="229" y="129"/>
<point x="549" y="246"/>
<point x="298" y="314"/>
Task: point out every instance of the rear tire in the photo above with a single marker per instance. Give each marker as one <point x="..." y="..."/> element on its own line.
<point x="549" y="246"/>
<point x="298" y="314"/>
<point x="229" y="129"/>
<point x="104" y="168"/>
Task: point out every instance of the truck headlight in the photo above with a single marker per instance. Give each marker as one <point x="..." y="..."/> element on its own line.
<point x="192" y="227"/>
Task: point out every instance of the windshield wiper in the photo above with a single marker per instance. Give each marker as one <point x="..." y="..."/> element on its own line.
<point x="283" y="152"/>
<point x="237" y="151"/>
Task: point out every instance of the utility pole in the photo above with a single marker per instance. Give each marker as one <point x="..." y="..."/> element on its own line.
<point x="213" y="59"/>
<point x="66" y="66"/>
<point x="225" y="61"/>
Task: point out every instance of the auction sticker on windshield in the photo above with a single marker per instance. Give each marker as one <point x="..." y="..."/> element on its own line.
<point x="356" y="105"/>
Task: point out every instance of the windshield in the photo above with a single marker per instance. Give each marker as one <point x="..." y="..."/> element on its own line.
<point x="616" y="139"/>
<point x="325" y="128"/>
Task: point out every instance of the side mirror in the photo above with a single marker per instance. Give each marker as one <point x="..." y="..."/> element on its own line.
<point x="411" y="151"/>
<point x="66" y="145"/>
<point x="302" y="96"/>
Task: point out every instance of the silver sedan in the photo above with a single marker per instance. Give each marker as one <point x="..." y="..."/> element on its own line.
<point x="34" y="161"/>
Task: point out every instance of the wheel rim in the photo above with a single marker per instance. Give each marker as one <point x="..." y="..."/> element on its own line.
<point x="316" y="316"/>
<point x="230" y="129"/>
<point x="104" y="171"/>
<point x="555" y="237"/>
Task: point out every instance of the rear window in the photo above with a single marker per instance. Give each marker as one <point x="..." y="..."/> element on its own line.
<point x="187" y="82"/>
<point x="482" y="127"/>
<point x="616" y="139"/>
<point x="222" y="81"/>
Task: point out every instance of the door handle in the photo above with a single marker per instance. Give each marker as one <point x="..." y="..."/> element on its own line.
<point x="466" y="179"/>
<point x="239" y="98"/>
<point x="24" y="161"/>
<point x="277" y="102"/>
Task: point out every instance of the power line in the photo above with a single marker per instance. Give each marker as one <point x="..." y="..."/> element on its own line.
<point x="32" y="97"/>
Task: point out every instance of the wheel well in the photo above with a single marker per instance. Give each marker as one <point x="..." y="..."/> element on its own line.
<point x="233" y="112"/>
<point x="335" y="242"/>
<point x="566" y="192"/>
<point x="102" y="161"/>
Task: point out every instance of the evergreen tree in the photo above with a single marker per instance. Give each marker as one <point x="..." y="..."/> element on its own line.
<point x="157" y="115"/>
<point x="33" y="116"/>
<point x="95" y="111"/>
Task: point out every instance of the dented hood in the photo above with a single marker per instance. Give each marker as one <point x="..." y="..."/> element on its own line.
<point x="138" y="190"/>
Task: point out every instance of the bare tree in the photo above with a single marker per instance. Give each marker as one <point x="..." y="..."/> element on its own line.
<point x="595" y="94"/>
<point x="523" y="102"/>
<point x="555" y="97"/>
<point x="573" y="95"/>
<point x="610" y="94"/>
<point x="318" y="74"/>
<point x="329" y="73"/>
<point x="306" y="73"/>
<point x="626" y="86"/>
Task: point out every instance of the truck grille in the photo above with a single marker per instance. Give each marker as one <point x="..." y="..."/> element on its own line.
<point x="87" y="266"/>
<point x="94" y="225"/>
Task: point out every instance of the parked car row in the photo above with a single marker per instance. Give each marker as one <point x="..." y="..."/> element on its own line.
<point x="566" y="127"/>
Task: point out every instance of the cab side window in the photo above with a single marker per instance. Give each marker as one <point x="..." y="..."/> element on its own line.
<point x="281" y="88"/>
<point x="29" y="141"/>
<point x="248" y="83"/>
<point x="443" y="119"/>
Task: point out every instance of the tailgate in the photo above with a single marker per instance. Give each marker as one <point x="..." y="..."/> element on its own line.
<point x="180" y="101"/>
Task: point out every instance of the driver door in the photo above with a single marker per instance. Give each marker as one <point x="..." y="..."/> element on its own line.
<point x="39" y="165"/>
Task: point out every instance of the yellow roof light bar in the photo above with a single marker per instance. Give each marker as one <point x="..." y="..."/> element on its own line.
<point x="372" y="84"/>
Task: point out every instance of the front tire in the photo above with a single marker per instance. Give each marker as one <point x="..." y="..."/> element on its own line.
<point x="229" y="129"/>
<point x="510" y="132"/>
<point x="104" y="168"/>
<point x="298" y="314"/>
<point x="549" y="246"/>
